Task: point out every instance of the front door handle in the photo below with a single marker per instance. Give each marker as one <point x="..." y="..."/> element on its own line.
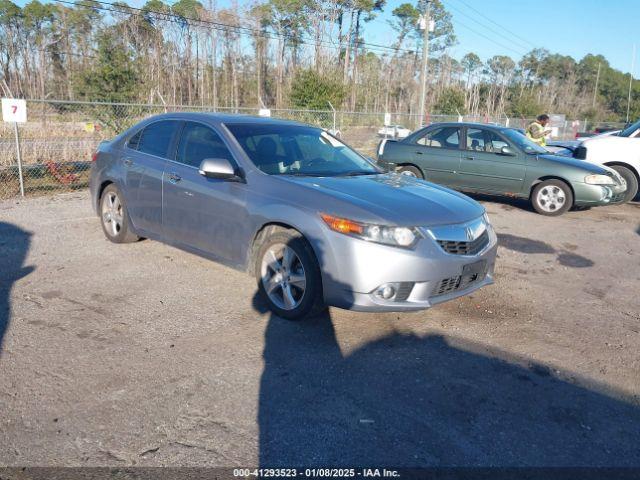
<point x="469" y="158"/>
<point x="174" y="177"/>
<point x="418" y="152"/>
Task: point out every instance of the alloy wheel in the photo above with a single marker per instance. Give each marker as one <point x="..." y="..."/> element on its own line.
<point x="283" y="276"/>
<point x="112" y="213"/>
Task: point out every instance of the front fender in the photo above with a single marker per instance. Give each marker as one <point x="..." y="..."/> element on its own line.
<point x="308" y="223"/>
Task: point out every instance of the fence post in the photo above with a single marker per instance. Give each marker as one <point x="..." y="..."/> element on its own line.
<point x="15" y="126"/>
<point x="334" y="117"/>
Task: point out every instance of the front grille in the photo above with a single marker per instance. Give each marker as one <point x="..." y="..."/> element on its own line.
<point x="452" y="284"/>
<point x="465" y="248"/>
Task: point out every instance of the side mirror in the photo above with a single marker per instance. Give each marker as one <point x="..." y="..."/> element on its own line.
<point x="219" y="168"/>
<point x="507" y="151"/>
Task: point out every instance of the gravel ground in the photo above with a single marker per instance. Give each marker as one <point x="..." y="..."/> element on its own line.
<point x="142" y="354"/>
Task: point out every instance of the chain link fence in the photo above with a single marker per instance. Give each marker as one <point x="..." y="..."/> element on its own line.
<point x="57" y="142"/>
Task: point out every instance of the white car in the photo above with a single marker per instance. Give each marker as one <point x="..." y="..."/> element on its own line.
<point x="619" y="151"/>
<point x="394" y="131"/>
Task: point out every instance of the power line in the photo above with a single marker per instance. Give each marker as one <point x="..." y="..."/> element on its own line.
<point x="176" y="18"/>
<point x="520" y="53"/>
<point x="527" y="42"/>
<point x="495" y="32"/>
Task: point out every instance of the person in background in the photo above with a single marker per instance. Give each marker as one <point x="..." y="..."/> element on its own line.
<point x="536" y="130"/>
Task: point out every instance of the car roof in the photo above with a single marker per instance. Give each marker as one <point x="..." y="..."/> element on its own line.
<point x="469" y="124"/>
<point x="217" y="117"/>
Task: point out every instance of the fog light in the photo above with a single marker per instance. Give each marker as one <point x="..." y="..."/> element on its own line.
<point x="386" y="291"/>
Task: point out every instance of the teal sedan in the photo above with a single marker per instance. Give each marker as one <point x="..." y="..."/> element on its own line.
<point x="501" y="161"/>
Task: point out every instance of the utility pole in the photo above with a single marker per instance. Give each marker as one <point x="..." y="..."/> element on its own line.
<point x="424" y="24"/>
<point x="595" y="90"/>
<point x="633" y="64"/>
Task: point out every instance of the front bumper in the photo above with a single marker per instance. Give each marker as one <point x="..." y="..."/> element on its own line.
<point x="434" y="276"/>
<point x="597" y="195"/>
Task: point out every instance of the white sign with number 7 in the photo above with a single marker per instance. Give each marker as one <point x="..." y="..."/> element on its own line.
<point x="14" y="110"/>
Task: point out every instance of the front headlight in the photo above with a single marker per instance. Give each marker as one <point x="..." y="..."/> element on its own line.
<point x="599" y="180"/>
<point x="396" y="236"/>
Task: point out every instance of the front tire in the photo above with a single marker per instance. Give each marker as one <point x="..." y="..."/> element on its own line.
<point x="114" y="217"/>
<point x="288" y="274"/>
<point x="632" y="182"/>
<point x="552" y="198"/>
<point x="411" y="171"/>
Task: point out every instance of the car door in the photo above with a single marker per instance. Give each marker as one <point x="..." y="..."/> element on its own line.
<point x="485" y="168"/>
<point x="144" y="156"/>
<point x="437" y="153"/>
<point x="198" y="212"/>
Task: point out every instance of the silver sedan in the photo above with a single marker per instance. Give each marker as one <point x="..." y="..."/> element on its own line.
<point x="316" y="222"/>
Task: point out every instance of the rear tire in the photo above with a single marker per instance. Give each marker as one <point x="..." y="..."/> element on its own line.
<point x="630" y="178"/>
<point x="411" y="171"/>
<point x="288" y="274"/>
<point x="552" y="198"/>
<point x="114" y="217"/>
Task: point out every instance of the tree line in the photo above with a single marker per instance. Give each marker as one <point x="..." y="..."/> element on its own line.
<point x="285" y="53"/>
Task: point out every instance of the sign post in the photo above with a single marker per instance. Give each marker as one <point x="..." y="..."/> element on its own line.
<point x="15" y="111"/>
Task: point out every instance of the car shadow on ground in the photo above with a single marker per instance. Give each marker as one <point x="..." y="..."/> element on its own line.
<point x="530" y="246"/>
<point x="506" y="203"/>
<point x="14" y="247"/>
<point x="415" y="401"/>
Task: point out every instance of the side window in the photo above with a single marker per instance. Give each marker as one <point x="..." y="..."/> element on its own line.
<point x="480" y="140"/>
<point x="135" y="140"/>
<point x="475" y="139"/>
<point x="495" y="143"/>
<point x="199" y="142"/>
<point x="156" y="138"/>
<point x="445" y="137"/>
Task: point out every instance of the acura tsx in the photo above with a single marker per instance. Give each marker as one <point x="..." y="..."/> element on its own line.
<point x="317" y="223"/>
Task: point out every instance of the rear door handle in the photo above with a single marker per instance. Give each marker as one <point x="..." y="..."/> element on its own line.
<point x="419" y="152"/>
<point x="469" y="158"/>
<point x="174" y="177"/>
<point x="128" y="162"/>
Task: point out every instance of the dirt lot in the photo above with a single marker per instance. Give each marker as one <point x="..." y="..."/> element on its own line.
<point x="141" y="354"/>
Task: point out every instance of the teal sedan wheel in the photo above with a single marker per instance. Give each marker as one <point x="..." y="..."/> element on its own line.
<point x="552" y="198"/>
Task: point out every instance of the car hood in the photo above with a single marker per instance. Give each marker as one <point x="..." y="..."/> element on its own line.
<point x="611" y="148"/>
<point x="393" y="199"/>
<point x="568" y="161"/>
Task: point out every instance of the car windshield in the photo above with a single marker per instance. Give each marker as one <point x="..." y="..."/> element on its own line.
<point x="523" y="142"/>
<point x="280" y="149"/>
<point x="631" y="130"/>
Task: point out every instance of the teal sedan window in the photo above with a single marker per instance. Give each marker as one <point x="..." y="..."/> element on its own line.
<point x="445" y="137"/>
<point x="526" y="145"/>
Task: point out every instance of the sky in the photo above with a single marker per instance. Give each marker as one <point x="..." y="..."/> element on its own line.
<point x="514" y="27"/>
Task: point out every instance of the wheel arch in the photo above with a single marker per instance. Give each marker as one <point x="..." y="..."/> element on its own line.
<point x="410" y="164"/>
<point x="101" y="188"/>
<point x="260" y="233"/>
<point x="625" y="165"/>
